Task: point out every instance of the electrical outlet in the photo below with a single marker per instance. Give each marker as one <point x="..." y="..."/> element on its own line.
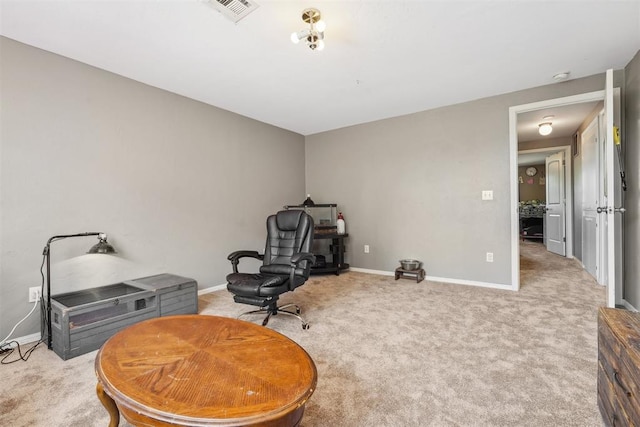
<point x="487" y="194"/>
<point x="34" y="294"/>
<point x="366" y="249"/>
<point x="489" y="256"/>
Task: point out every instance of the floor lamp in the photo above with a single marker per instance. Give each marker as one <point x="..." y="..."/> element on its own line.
<point x="102" y="247"/>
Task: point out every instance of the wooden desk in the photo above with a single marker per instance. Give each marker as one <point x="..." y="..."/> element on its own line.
<point x="201" y="370"/>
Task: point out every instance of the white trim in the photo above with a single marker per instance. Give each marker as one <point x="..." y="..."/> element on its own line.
<point x="211" y="289"/>
<point x="514" y="187"/>
<point x="439" y="279"/>
<point x="27" y="339"/>
<point x="469" y="283"/>
<point x="367" y="271"/>
<point x="513" y="166"/>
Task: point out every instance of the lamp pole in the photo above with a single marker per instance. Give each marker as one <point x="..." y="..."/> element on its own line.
<point x="47" y="254"/>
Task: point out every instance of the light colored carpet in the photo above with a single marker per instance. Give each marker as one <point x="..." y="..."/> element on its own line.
<point x="396" y="353"/>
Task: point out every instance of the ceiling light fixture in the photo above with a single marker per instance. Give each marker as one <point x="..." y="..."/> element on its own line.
<point x="314" y="35"/>
<point x="561" y="76"/>
<point x="545" y="128"/>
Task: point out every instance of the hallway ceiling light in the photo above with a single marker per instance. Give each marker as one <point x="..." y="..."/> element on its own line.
<point x="545" y="128"/>
<point x="314" y="35"/>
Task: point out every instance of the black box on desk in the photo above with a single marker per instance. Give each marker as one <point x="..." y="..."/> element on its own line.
<point x="82" y="321"/>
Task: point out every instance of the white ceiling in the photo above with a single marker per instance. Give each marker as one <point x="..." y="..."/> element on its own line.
<point x="565" y="121"/>
<point x="382" y="58"/>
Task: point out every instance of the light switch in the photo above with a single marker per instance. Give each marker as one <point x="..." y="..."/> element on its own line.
<point x="487" y="194"/>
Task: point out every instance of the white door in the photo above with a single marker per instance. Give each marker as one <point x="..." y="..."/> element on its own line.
<point x="612" y="197"/>
<point x="603" y="230"/>
<point x="556" y="208"/>
<point x="589" y="149"/>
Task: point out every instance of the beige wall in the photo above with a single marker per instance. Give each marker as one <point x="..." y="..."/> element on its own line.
<point x="531" y="187"/>
<point x="411" y="186"/>
<point x="177" y="184"/>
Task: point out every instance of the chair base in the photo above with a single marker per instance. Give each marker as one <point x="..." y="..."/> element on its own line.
<point x="275" y="310"/>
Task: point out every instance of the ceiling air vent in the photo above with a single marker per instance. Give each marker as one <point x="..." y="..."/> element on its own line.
<point x="235" y="10"/>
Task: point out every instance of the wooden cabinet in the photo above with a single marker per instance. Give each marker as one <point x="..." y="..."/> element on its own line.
<point x="619" y="367"/>
<point x="336" y="253"/>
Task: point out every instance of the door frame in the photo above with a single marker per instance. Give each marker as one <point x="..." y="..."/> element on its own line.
<point x="513" y="169"/>
<point x="568" y="190"/>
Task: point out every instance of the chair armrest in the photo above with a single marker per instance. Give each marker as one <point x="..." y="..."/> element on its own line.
<point x="234" y="257"/>
<point x="297" y="259"/>
<point x="302" y="256"/>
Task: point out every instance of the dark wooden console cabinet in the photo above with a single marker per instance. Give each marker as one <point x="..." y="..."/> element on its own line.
<point x="619" y="367"/>
<point x="337" y="250"/>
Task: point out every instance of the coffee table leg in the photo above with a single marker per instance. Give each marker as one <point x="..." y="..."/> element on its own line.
<point x="109" y="404"/>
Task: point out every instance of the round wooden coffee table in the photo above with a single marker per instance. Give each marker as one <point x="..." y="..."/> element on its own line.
<point x="201" y="370"/>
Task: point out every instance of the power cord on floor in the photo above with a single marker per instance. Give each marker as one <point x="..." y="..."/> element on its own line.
<point x="24" y="357"/>
<point x="6" y="347"/>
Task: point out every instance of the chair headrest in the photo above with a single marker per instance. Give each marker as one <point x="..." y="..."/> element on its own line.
<point x="288" y="220"/>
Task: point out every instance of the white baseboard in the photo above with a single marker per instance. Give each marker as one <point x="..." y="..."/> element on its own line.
<point x="212" y="289"/>
<point x="439" y="279"/>
<point x="470" y="283"/>
<point x="27" y="339"/>
<point x="367" y="271"/>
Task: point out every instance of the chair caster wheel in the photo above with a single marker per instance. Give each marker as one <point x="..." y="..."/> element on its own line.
<point x="305" y="326"/>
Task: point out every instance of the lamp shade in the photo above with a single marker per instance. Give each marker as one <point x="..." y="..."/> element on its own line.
<point x="102" y="247"/>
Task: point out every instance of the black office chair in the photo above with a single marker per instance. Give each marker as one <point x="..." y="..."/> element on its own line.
<point x="286" y="265"/>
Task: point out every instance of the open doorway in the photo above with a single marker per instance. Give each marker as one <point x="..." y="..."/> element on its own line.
<point x="545" y="201"/>
<point x="610" y="201"/>
<point x="566" y="115"/>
